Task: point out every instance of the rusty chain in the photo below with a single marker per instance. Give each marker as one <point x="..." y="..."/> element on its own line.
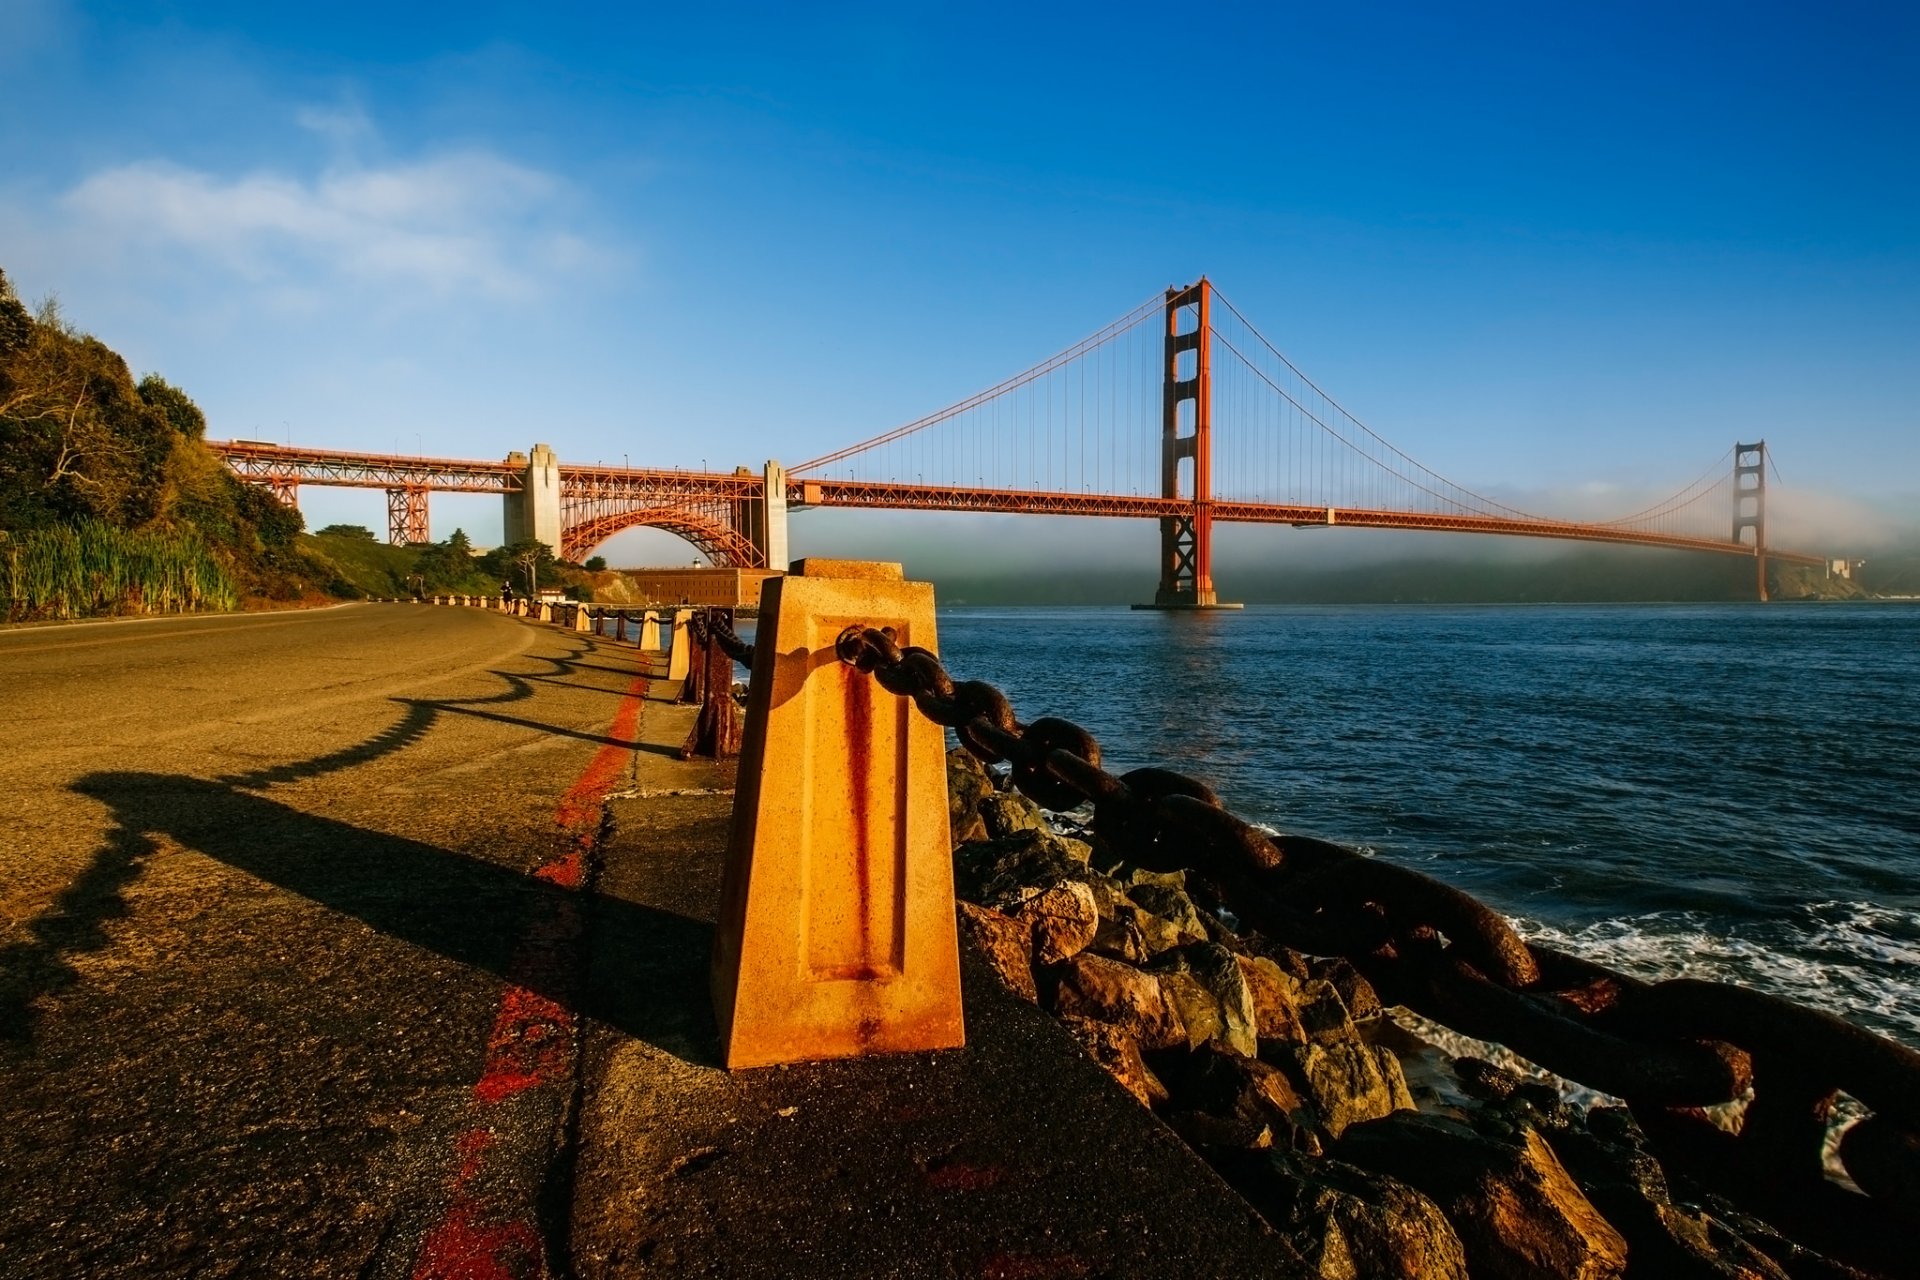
<point x="718" y="625"/>
<point x="1667" y="1048"/>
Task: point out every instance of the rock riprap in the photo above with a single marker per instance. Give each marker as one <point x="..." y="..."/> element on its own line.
<point x="1285" y="1072"/>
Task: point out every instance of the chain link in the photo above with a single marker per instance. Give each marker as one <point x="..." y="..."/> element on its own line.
<point x="1664" y="1047"/>
<point x="717" y="624"/>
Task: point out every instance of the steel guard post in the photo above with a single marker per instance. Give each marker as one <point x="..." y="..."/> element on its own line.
<point x="836" y="936"/>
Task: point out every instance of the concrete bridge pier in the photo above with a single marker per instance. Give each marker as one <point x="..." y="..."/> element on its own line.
<point x="765" y="521"/>
<point x="534" y="512"/>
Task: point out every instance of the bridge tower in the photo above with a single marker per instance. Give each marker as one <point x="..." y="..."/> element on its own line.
<point x="1750" y="504"/>
<point x="1186" y="540"/>
<point x="407" y="516"/>
<point x="534" y="512"/>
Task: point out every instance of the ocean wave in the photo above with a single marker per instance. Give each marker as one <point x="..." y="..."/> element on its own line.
<point x="1860" y="960"/>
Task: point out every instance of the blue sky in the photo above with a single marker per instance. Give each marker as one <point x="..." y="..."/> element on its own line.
<point x="1545" y="249"/>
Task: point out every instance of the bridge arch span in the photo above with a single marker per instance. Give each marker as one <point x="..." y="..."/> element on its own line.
<point x="720" y="542"/>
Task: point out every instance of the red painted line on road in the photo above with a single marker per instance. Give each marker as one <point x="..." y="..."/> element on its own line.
<point x="531" y="1044"/>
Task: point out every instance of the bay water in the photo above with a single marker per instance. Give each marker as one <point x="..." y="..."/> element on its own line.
<point x="1725" y="791"/>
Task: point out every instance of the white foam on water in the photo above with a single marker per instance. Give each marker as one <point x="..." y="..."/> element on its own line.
<point x="1860" y="960"/>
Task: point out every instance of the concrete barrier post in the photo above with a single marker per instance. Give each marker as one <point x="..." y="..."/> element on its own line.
<point x="836" y="935"/>
<point x="581" y="622"/>
<point x="650" y="631"/>
<point x="679" y="659"/>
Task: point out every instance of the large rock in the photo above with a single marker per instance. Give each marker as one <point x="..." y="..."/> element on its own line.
<point x="968" y="783"/>
<point x="1170" y="903"/>
<point x="1007" y="812"/>
<point x="1348" y="1081"/>
<point x="1519" y="1214"/>
<point x="1120" y="939"/>
<point x="1007" y="945"/>
<point x="1157" y="933"/>
<point x="1119" y="1053"/>
<point x="1062" y="919"/>
<point x="1350" y="1224"/>
<point x="1218" y="971"/>
<point x="1608" y="1156"/>
<point x="1356" y="993"/>
<point x="990" y="871"/>
<point x="1246" y="1102"/>
<point x="1318" y="1006"/>
<point x="1274" y="1016"/>
<point x="1105" y="990"/>
<point x="1199" y="1008"/>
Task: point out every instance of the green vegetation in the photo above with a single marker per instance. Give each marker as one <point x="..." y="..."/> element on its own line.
<point x="68" y="571"/>
<point x="109" y="500"/>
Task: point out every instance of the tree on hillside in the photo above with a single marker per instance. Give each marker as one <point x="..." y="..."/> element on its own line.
<point x="181" y="413"/>
<point x="346" y="531"/>
<point x="449" y="565"/>
<point x="529" y="563"/>
<point x="595" y="564"/>
<point x="77" y="441"/>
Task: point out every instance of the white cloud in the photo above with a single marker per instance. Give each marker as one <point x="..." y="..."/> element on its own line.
<point x="464" y="222"/>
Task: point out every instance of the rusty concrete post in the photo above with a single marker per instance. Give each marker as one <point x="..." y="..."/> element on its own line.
<point x="679" y="661"/>
<point x="716" y="731"/>
<point x="836" y="934"/>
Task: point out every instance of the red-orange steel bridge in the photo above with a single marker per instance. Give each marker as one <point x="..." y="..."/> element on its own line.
<point x="1180" y="411"/>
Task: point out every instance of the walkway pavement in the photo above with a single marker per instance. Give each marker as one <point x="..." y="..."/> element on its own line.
<point x="1013" y="1157"/>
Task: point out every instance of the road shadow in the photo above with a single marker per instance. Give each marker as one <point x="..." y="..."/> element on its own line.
<point x="38" y="963"/>
<point x="471" y="911"/>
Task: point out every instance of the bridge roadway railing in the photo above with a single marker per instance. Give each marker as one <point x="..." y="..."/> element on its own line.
<point x="842" y="790"/>
<point x="878" y="495"/>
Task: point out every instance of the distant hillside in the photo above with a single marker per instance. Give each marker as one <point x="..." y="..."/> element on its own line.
<point x="1588" y="575"/>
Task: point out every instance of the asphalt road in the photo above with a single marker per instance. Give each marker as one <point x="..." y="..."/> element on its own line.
<point x="372" y="942"/>
<point x="286" y="938"/>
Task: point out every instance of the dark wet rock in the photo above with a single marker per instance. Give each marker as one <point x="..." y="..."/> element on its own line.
<point x="968" y="783"/>
<point x="1274" y="1016"/>
<point x="1218" y="971"/>
<point x="1356" y="993"/>
<point x="1210" y="1134"/>
<point x="1119" y="1053"/>
<point x="1533" y="1100"/>
<point x="1349" y="1082"/>
<point x="988" y="871"/>
<point x="1519" y="1214"/>
<point x="1608" y="1157"/>
<point x="1258" y="1101"/>
<point x="1347" y="1223"/>
<point x="1106" y="990"/>
<point x="1317" y="1005"/>
<point x="1007" y="945"/>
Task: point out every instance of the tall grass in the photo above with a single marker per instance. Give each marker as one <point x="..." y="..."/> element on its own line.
<point x="71" y="571"/>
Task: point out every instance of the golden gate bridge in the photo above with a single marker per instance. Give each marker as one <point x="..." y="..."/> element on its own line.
<point x="1180" y="411"/>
